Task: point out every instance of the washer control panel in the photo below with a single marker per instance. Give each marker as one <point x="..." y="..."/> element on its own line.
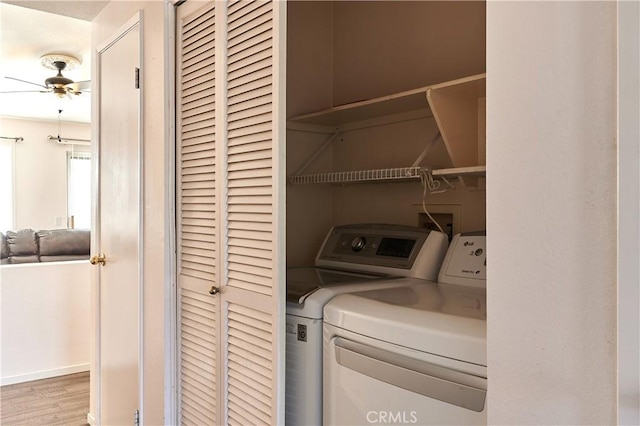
<point x="392" y="246"/>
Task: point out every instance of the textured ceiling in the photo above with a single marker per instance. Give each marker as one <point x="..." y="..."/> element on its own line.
<point x="83" y="9"/>
<point x="25" y="35"/>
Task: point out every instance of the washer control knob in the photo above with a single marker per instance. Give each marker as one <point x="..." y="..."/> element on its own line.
<point x="358" y="244"/>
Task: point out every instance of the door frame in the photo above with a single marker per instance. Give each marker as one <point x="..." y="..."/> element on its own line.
<point x="628" y="213"/>
<point x="94" y="418"/>
<point x="170" y="259"/>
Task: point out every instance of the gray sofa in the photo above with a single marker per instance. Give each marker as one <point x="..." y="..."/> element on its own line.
<point x="54" y="245"/>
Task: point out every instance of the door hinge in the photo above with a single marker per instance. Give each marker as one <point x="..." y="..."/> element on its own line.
<point x="137" y="78"/>
<point x="136" y="418"/>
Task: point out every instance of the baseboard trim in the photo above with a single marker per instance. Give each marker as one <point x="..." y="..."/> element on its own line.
<point x="91" y="419"/>
<point x="44" y="374"/>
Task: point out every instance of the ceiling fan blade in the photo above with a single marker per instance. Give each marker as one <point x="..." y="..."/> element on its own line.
<point x="26" y="91"/>
<point x="28" y="82"/>
<point x="81" y="86"/>
<point x="72" y="91"/>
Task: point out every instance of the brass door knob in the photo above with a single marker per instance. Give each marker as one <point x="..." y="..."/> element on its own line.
<point x="100" y="259"/>
<point x="214" y="290"/>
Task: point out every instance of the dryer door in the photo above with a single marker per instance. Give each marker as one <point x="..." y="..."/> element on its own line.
<point x="369" y="381"/>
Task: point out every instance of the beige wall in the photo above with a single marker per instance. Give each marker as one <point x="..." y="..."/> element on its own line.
<point x="309" y="56"/>
<point x="41" y="170"/>
<point x="309" y="88"/>
<point x="115" y="15"/>
<point x="385" y="47"/>
<point x="342" y="52"/>
<point x="551" y="212"/>
<point x="397" y="145"/>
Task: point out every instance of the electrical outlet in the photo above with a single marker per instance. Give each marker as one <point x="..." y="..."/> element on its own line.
<point x="445" y="220"/>
<point x="448" y="217"/>
<point x="58" y="221"/>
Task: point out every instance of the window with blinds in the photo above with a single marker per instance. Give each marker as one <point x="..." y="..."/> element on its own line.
<point x="7" y="193"/>
<point x="79" y="189"/>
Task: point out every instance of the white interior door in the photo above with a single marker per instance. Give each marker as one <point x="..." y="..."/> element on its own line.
<point x="230" y="225"/>
<point x="118" y="228"/>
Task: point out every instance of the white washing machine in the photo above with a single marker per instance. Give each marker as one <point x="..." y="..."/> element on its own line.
<point x="352" y="258"/>
<point x="413" y="354"/>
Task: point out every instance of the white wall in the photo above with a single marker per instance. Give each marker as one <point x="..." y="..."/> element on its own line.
<point x="41" y="170"/>
<point x="44" y="319"/>
<point x="116" y="14"/>
<point x="551" y="212"/>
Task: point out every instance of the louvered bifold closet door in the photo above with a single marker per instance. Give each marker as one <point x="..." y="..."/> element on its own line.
<point x="197" y="230"/>
<point x="254" y="258"/>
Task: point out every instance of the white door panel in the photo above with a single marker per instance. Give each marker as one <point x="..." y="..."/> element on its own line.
<point x="197" y="216"/>
<point x="230" y="139"/>
<point x="118" y="229"/>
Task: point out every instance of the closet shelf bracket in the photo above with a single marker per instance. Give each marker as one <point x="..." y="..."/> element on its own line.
<point x="318" y="151"/>
<point x="426" y="149"/>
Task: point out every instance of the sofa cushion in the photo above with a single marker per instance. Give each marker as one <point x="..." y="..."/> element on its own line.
<point x="64" y="244"/>
<point x="4" y="250"/>
<point x="22" y="246"/>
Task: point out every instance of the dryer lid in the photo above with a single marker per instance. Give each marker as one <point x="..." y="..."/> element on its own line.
<point x="304" y="281"/>
<point x="445" y="320"/>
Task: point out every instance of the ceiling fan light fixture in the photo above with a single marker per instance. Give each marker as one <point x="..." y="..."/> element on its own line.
<point x="60" y="92"/>
<point x="49" y="61"/>
<point x="58" y="81"/>
<point x="59" y="85"/>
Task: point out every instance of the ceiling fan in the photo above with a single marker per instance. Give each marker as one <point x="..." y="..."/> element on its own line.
<point x="59" y="85"/>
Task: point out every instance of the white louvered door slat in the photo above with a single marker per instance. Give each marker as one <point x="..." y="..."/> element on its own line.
<point x="197" y="230"/>
<point x="246" y="117"/>
<point x="249" y="354"/>
<point x="253" y="273"/>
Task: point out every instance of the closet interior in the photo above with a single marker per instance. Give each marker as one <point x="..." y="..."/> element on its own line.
<point x="385" y="113"/>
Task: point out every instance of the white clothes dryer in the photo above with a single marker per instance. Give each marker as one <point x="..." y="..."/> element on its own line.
<point x="352" y="258"/>
<point x="413" y="354"/>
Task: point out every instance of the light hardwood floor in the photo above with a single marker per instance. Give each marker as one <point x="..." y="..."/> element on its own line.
<point x="60" y="400"/>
